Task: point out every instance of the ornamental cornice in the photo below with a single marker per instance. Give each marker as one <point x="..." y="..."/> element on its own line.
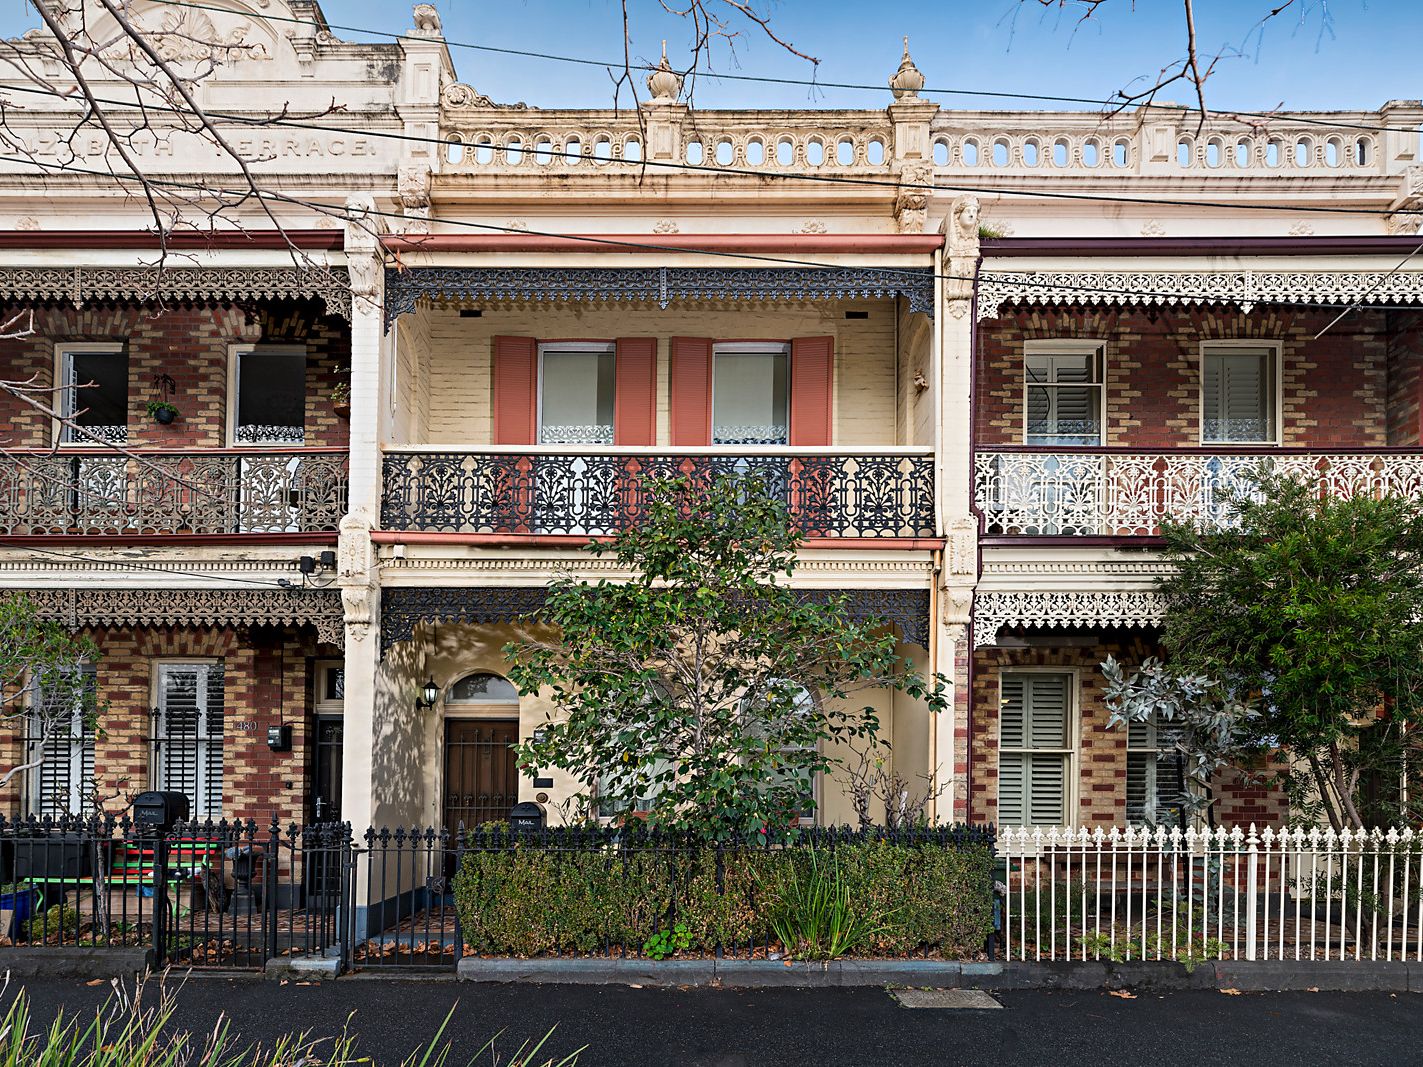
<point x="663" y="286"/>
<point x="1242" y="288"/>
<point x="98" y="607"/>
<point x="403" y="608"/>
<point x="79" y="284"/>
<point x="992" y="610"/>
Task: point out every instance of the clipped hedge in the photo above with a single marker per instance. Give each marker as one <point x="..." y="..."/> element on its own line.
<point x="589" y="892"/>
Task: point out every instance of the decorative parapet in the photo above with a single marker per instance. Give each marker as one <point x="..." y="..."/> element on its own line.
<point x="96" y="607"/>
<point x="993" y="610"/>
<point x="330" y="285"/>
<point x="404" y="607"/>
<point x="660" y="285"/>
<point x="1242" y="288"/>
<point x="1165" y="140"/>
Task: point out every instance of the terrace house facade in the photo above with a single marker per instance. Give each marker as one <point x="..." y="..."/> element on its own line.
<point x="980" y="354"/>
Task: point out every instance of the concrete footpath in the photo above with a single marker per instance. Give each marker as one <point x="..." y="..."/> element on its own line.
<point x="630" y="1027"/>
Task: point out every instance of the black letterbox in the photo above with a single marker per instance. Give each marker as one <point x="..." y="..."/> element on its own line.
<point x="156" y="812"/>
<point x="526" y="815"/>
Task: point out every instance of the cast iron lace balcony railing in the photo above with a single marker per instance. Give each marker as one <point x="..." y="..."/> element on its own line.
<point x="228" y="491"/>
<point x="594" y="492"/>
<point x="1104" y="492"/>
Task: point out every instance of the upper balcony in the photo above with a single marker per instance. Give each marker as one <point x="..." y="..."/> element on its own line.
<point x="202" y="420"/>
<point x="519" y="418"/>
<point x="1095" y="422"/>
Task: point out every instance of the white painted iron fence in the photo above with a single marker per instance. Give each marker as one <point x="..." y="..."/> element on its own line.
<point x="1196" y="895"/>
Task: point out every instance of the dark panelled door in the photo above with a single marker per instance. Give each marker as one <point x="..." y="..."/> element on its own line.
<point x="481" y="780"/>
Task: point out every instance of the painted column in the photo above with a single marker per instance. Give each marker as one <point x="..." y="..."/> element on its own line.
<point x="356" y="571"/>
<point x="954" y="482"/>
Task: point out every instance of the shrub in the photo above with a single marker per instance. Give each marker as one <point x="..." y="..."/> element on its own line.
<point x="595" y="891"/>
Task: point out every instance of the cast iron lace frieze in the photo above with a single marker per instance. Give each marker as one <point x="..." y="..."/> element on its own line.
<point x="660" y="285"/>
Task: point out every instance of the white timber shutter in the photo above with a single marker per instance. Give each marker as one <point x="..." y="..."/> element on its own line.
<point x="1236" y="396"/>
<point x="188" y="735"/>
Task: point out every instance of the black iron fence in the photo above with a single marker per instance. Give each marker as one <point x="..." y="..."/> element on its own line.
<point x="235" y="895"/>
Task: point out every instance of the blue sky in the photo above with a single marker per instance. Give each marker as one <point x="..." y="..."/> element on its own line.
<point x="1343" y="53"/>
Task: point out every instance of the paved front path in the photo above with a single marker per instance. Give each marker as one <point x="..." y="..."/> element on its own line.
<point x="702" y="1028"/>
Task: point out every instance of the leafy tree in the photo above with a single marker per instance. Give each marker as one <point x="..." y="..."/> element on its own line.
<point x="1295" y="626"/>
<point x="703" y="689"/>
<point x="42" y="679"/>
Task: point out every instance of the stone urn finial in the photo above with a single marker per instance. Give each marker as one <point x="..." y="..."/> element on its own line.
<point x="664" y="83"/>
<point x="908" y="79"/>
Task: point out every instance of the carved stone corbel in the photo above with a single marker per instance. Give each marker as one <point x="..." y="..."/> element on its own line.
<point x="911" y="203"/>
<point x="960" y="230"/>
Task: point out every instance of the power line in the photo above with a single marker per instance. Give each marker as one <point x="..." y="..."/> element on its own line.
<point x="523" y="53"/>
<point x="825" y="179"/>
<point x="131" y="566"/>
<point x="633" y="245"/>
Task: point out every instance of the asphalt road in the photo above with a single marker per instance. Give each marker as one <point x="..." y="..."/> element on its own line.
<point x="724" y="1028"/>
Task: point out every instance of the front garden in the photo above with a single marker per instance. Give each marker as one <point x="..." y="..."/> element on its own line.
<point x="824" y="894"/>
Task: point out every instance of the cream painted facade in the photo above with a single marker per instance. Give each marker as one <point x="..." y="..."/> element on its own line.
<point x="922" y="231"/>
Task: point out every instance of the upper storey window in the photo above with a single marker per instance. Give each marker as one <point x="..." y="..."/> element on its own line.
<point x="94" y="401"/>
<point x="750" y="393"/>
<point x="269" y="396"/>
<point x="1238" y="394"/>
<point x="1063" y="383"/>
<point x="576" y="391"/>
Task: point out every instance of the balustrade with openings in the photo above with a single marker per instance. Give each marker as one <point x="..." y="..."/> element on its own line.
<point x="220" y="492"/>
<point x="1120" y="493"/>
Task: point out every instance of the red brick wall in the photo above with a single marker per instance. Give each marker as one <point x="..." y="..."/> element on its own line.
<point x="189" y="343"/>
<point x="1335" y="389"/>
<point x="266" y="681"/>
<point x="1405" y="378"/>
<point x="1101" y="751"/>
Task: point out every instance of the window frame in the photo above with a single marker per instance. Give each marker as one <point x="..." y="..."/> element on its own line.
<point x="1154" y="749"/>
<point x="1067" y="346"/>
<point x="67" y="397"/>
<point x="593" y="346"/>
<point x="155" y="761"/>
<point x="1274" y="393"/>
<point x="322" y="705"/>
<point x="234" y="371"/>
<point x="79" y="742"/>
<point x="750" y="346"/>
<point x="1071" y="793"/>
<point x="472" y="709"/>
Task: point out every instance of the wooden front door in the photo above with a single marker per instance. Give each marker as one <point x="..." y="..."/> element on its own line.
<point x="481" y="780"/>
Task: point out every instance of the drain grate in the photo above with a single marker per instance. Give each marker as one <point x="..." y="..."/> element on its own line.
<point x="944" y="998"/>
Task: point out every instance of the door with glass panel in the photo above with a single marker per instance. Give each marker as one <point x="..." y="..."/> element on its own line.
<point x="86" y="493"/>
<point x="751" y="407"/>
<point x="269" y="413"/>
<point x="1059" y="491"/>
<point x="577" y="492"/>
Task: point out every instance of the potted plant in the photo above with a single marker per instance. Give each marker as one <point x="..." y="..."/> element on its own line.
<point x="341" y="399"/>
<point x="16" y="901"/>
<point x="161" y="411"/>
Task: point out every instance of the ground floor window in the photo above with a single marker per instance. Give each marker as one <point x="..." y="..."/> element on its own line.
<point x="1155" y="775"/>
<point x="60" y="748"/>
<point x="187" y="736"/>
<point x="1036" y="750"/>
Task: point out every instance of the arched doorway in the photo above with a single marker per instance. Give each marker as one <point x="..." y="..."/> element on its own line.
<point x="481" y="780"/>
